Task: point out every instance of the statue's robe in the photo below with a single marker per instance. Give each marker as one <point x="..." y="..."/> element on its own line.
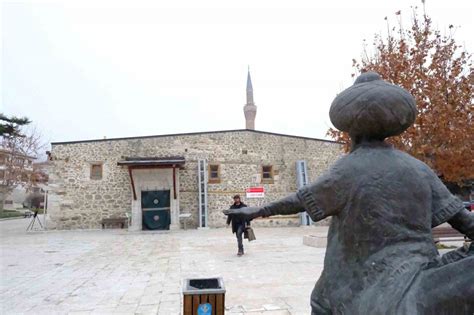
<point x="381" y="257"/>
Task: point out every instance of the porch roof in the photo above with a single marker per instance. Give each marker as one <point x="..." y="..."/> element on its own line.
<point x="173" y="161"/>
<point x="152" y="162"/>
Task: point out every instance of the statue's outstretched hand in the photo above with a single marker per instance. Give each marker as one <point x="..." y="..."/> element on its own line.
<point x="247" y="213"/>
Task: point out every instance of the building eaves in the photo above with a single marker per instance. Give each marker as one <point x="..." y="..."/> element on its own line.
<point x="194" y="134"/>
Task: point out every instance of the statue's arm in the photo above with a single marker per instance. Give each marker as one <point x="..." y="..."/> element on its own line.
<point x="445" y="207"/>
<point x="288" y="205"/>
<point x="318" y="203"/>
<point x="291" y="204"/>
<point x="463" y="221"/>
<point x="324" y="197"/>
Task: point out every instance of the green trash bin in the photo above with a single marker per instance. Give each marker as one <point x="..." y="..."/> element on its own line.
<point x="204" y="296"/>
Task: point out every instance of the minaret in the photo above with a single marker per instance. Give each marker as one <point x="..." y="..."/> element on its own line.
<point x="250" y="110"/>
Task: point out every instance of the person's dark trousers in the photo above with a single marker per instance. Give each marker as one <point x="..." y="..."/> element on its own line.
<point x="239" y="234"/>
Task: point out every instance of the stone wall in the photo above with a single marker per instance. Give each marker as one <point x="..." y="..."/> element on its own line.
<point x="77" y="201"/>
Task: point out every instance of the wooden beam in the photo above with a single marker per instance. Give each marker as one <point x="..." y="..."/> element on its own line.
<point x="174" y="182"/>
<point x="133" y="183"/>
<point x="180" y="166"/>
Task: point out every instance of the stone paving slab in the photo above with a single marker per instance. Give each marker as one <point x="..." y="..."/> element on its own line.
<point x="121" y="272"/>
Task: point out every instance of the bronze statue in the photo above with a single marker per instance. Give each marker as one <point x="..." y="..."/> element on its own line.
<point x="381" y="257"/>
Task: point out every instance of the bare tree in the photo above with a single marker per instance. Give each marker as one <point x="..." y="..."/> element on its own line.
<point x="18" y="151"/>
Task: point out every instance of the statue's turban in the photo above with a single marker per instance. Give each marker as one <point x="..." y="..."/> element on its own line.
<point x="373" y="108"/>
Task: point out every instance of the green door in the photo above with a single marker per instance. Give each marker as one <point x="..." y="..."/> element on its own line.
<point x="156" y="210"/>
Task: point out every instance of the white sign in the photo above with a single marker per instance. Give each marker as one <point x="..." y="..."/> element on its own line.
<point x="255" y="192"/>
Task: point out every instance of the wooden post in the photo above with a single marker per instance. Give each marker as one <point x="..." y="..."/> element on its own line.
<point x="220" y="302"/>
<point x="196" y="302"/>
<point x="133" y="183"/>
<point x="188" y="304"/>
<point x="174" y="182"/>
<point x="212" y="301"/>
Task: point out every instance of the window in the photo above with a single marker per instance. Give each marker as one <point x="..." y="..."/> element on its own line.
<point x="19" y="162"/>
<point x="214" y="173"/>
<point x="267" y="174"/>
<point x="96" y="171"/>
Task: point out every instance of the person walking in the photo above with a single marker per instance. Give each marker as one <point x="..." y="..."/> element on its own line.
<point x="238" y="224"/>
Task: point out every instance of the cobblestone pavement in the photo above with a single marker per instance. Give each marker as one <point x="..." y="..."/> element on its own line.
<point x="121" y="272"/>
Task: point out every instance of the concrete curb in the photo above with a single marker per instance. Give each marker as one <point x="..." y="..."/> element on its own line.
<point x="12" y="218"/>
<point x="319" y="241"/>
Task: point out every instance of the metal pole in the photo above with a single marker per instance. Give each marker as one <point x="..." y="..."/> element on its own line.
<point x="202" y="190"/>
<point x="302" y="180"/>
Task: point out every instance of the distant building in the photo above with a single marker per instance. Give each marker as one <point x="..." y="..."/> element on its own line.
<point x="160" y="179"/>
<point x="15" y="172"/>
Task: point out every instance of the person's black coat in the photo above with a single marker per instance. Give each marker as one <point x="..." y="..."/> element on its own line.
<point x="236" y="221"/>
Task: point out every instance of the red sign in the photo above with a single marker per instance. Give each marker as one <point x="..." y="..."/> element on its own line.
<point x="255" y="192"/>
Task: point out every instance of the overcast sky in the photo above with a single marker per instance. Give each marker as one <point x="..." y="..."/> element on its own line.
<point x="89" y="69"/>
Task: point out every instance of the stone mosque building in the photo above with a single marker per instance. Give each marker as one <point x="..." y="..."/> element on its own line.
<point x="167" y="181"/>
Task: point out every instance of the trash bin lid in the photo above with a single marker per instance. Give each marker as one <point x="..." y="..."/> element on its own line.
<point x="203" y="286"/>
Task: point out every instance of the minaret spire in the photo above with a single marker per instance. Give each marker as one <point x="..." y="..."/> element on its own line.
<point x="250" y="110"/>
<point x="249" y="89"/>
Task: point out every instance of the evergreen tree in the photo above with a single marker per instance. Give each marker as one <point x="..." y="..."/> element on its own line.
<point x="10" y="126"/>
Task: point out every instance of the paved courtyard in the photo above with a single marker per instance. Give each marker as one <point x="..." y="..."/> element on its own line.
<point x="121" y="272"/>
